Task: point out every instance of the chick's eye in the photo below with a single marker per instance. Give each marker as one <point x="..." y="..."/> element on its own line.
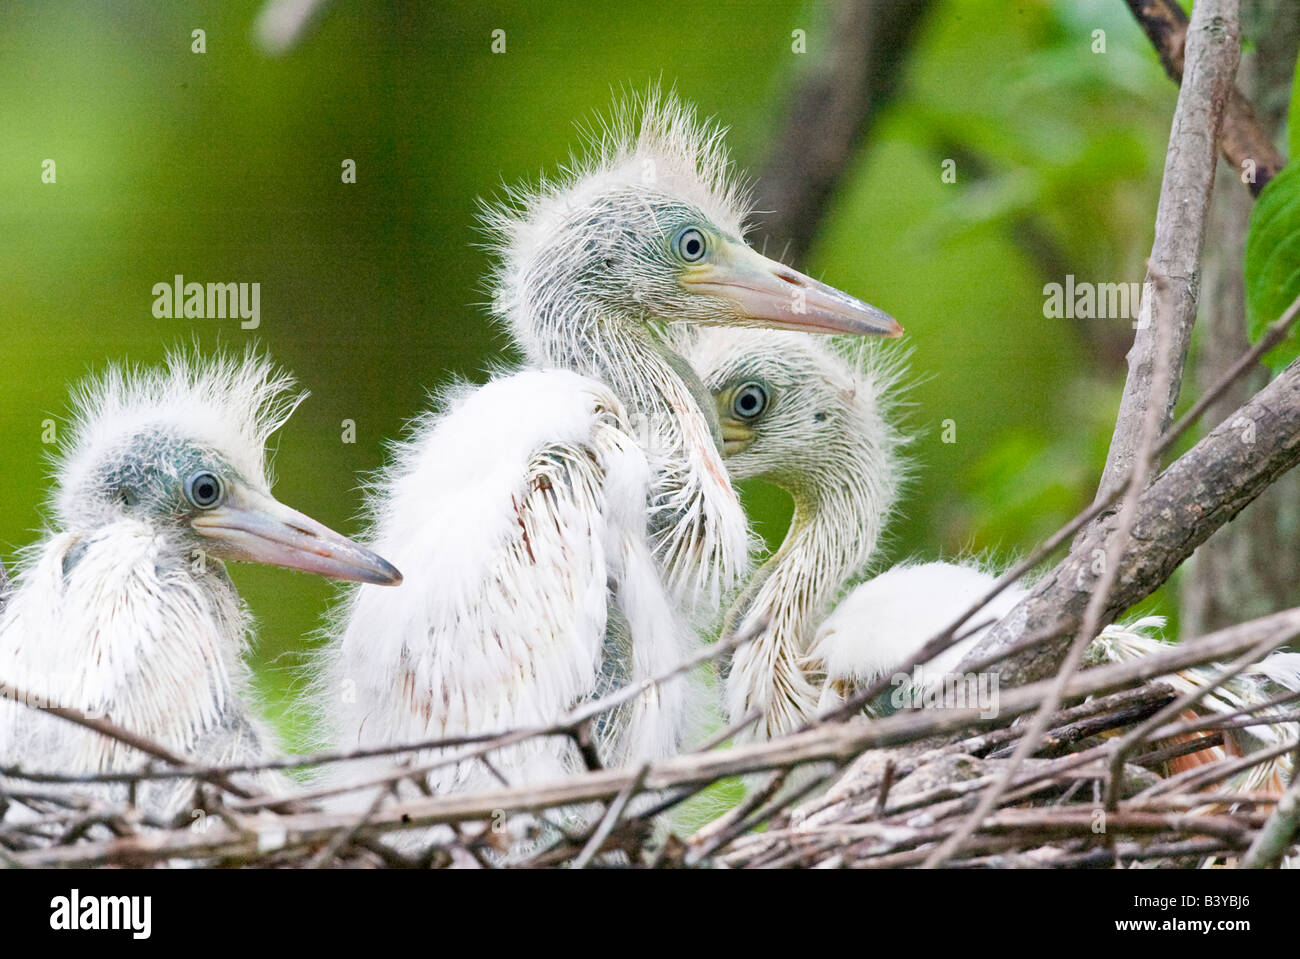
<point x="203" y="489"/>
<point x="691" y="245"/>
<point x="750" y="400"/>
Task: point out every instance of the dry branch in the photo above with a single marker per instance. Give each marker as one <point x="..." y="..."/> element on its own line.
<point x="1186" y="702"/>
<point x="852" y="796"/>
<point x="921" y="794"/>
<point x="1194" y="496"/>
<point x="1278" y="833"/>
<point x="1213" y="51"/>
<point x="1243" y="140"/>
<point x="829" y="114"/>
<point x="112" y="731"/>
<point x="1138" y="472"/>
<point x="1251" y="566"/>
<point x="236" y="839"/>
<point x="984" y="655"/>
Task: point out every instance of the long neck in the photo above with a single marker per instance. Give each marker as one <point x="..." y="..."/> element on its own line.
<point x="832" y="535"/>
<point x="699" y="532"/>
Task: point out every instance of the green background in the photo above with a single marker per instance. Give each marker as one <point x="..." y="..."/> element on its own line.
<point x="225" y="166"/>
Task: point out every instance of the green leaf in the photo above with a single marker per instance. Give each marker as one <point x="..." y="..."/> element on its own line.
<point x="1272" y="267"/>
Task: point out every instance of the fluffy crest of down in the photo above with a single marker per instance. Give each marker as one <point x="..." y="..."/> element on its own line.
<point x="653" y="144"/>
<point x="224" y="403"/>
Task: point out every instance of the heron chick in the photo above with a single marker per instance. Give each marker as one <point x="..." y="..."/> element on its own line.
<point x="815" y="418"/>
<point x="816" y="421"/>
<point x="124" y="608"/>
<point x="646" y="234"/>
<point x="583" y="553"/>
<point x="886" y="620"/>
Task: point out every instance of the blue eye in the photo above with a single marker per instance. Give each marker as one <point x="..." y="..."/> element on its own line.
<point x="203" y="489"/>
<point x="749" y="401"/>
<point x="691" y="245"/>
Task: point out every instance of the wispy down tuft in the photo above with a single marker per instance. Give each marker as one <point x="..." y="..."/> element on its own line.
<point x="654" y="142"/>
<point x="227" y="403"/>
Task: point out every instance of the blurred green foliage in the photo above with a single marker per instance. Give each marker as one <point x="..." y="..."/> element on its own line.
<point x="225" y="166"/>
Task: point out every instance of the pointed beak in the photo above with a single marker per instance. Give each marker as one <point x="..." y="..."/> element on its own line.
<point x="254" y="527"/>
<point x="735" y="436"/>
<point x="764" y="292"/>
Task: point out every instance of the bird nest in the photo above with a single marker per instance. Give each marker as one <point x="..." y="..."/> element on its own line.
<point x="1126" y="771"/>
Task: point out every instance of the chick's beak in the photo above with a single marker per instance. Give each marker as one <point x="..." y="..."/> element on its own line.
<point x="767" y="293"/>
<point x="735" y="436"/>
<point x="254" y="527"/>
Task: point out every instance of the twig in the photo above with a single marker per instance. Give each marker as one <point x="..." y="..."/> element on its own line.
<point x="563" y="727"/>
<point x="1216" y="646"/>
<point x="106" y="728"/>
<point x="610" y="818"/>
<point x="1180" y="705"/>
<point x="1138" y="471"/>
<point x="344" y="836"/>
<point x="1049" y="608"/>
<point x="703" y="839"/>
<point x="1198" y="778"/>
<point x="1242" y="140"/>
<point x="1117" y="708"/>
<point x="989" y="650"/>
<point x="886" y="783"/>
<point x="1230" y="720"/>
<point x="867" y="44"/>
<point x="1213" y="51"/>
<point x="769" y="812"/>
<point x="1194" y="496"/>
<point x="489" y="741"/>
<point x="836" y="743"/>
<point x="1271" y="844"/>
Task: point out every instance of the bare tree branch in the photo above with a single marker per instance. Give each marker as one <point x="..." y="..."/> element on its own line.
<point x="229" y="839"/>
<point x="988" y="652"/>
<point x="1196" y="495"/>
<point x="1138" y="473"/>
<point x="1213" y="51"/>
<point x="112" y="731"/>
<point x="1194" y="489"/>
<point x="829" y="114"/>
<point x="1252" y="565"/>
<point x="1271" y="844"/>
<point x="1244" y="142"/>
<point x="1143" y="731"/>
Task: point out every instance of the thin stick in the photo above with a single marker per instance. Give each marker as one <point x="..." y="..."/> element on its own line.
<point x="1142" y="466"/>
<point x="1180" y="705"/>
<point x="111" y="730"/>
<point x="975" y="662"/>
<point x="1271" y="844"/>
<point x="610" y="818"/>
